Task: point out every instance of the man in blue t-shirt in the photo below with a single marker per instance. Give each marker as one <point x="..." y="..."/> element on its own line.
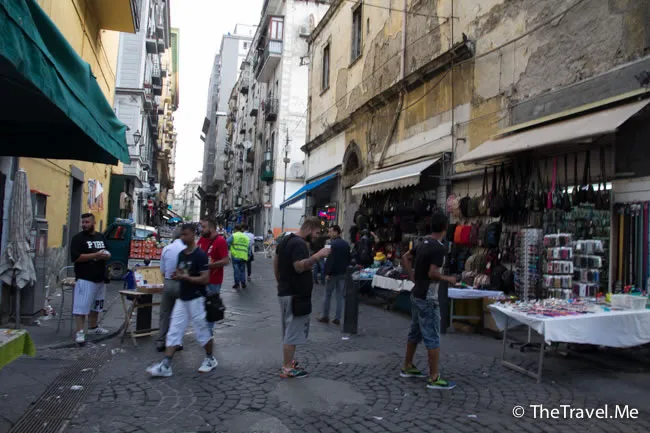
<point x="194" y="275"/>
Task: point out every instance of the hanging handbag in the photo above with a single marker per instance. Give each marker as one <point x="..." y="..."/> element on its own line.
<point x="457" y="234"/>
<point x="575" y="194"/>
<point x="582" y="193"/>
<point x="483" y="204"/>
<point x="538" y="195"/>
<point x="474" y="236"/>
<point x="452" y="205"/>
<point x="463" y="206"/>
<point x="493" y="235"/>
<point x="465" y="234"/>
<point x="590" y="192"/>
<point x="605" y="201"/>
<point x="566" y="202"/>
<point x="497" y="201"/>
<point x="511" y="202"/>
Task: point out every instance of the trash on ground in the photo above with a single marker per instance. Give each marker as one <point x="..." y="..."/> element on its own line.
<point x="472" y="416"/>
<point x="76" y="387"/>
<point x="378" y="418"/>
<point x="345" y="338"/>
<point x="87" y="369"/>
<point x="117" y="350"/>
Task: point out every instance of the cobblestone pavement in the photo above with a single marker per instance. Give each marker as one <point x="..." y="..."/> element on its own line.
<point x="354" y="384"/>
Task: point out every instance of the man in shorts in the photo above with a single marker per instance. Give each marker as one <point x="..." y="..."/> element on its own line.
<point x="194" y="276"/>
<point x="292" y="266"/>
<point x="429" y="260"/>
<point x="89" y="255"/>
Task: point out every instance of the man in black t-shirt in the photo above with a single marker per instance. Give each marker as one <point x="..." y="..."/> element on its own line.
<point x="89" y="255"/>
<point x="429" y="260"/>
<point x="292" y="266"/>
<point x="194" y="275"/>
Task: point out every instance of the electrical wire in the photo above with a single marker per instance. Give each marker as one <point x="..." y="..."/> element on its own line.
<point x="472" y="59"/>
<point x="378" y="68"/>
<point x="391" y="9"/>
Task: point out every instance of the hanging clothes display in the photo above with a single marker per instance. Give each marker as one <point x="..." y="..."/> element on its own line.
<point x="632" y="247"/>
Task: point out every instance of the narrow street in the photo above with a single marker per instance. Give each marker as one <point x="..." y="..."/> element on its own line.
<point x="354" y="383"/>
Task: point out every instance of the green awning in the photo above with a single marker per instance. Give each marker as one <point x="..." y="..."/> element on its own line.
<point x="51" y="104"/>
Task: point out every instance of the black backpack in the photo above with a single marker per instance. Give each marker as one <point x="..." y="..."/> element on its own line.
<point x="364" y="253"/>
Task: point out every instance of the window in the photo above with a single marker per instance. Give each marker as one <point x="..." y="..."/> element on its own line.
<point x="39" y="203"/>
<point x="325" y="83"/>
<point x="356" y="33"/>
<point x="245" y="45"/>
<point x="276" y="29"/>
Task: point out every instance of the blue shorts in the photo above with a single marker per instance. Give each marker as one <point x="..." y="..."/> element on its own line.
<point x="212" y="289"/>
<point x="425" y="323"/>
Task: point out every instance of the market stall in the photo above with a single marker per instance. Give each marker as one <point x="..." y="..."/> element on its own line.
<point x="623" y="322"/>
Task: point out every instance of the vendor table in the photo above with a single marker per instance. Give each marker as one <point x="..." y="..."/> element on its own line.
<point x="625" y="328"/>
<point x="141" y="298"/>
<point x="13" y="343"/>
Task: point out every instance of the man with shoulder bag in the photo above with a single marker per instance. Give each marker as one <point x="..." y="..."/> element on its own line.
<point x="216" y="248"/>
<point x="292" y="266"/>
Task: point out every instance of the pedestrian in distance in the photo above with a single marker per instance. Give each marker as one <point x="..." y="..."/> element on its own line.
<point x="335" y="268"/>
<point x="89" y="255"/>
<point x="171" y="291"/>
<point x="194" y="275"/>
<point x="251" y="250"/>
<point x="424" y="265"/>
<point x="239" y="249"/>
<point x="292" y="266"/>
<point x="216" y="248"/>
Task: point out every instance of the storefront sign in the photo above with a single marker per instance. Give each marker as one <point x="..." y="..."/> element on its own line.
<point x="327" y="213"/>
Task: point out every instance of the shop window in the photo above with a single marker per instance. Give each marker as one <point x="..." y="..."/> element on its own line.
<point x="325" y="83"/>
<point x="357" y="35"/>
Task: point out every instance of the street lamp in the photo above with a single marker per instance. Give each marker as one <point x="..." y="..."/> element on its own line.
<point x="286" y="162"/>
<point x="136" y="137"/>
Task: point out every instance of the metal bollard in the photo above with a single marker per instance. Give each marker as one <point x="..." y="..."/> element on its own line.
<point x="351" y="313"/>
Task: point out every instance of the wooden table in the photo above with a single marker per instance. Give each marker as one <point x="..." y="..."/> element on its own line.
<point x="140" y="298"/>
<point x="14" y="343"/>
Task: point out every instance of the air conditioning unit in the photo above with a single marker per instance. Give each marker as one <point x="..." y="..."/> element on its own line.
<point x="304" y="31"/>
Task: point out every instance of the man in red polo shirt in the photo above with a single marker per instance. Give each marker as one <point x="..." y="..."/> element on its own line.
<point x="216" y="248"/>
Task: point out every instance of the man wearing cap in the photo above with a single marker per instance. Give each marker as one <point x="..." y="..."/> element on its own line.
<point x="168" y="264"/>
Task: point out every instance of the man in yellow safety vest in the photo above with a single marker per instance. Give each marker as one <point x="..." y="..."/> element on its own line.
<point x="238" y="243"/>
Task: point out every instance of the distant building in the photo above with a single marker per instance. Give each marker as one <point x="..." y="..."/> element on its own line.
<point x="225" y="71"/>
<point x="187" y="202"/>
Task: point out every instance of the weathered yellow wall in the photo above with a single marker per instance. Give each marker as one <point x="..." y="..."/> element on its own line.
<point x="78" y="23"/>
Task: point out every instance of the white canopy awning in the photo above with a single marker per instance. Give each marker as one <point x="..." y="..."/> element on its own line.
<point x="578" y="128"/>
<point x="400" y="177"/>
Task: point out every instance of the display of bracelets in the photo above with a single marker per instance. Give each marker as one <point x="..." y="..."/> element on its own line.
<point x="555" y="307"/>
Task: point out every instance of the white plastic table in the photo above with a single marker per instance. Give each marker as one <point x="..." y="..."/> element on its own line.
<point x="625" y="328"/>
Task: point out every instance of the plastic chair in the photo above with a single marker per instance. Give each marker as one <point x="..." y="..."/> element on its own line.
<point x="67" y="283"/>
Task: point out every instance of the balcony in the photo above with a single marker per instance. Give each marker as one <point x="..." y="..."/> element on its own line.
<point x="156" y="77"/>
<point x="118" y="15"/>
<point x="255" y="104"/>
<point x="151" y="44"/>
<point x="250" y="156"/>
<point x="244" y="85"/>
<point x="271" y="109"/>
<point x="268" y="58"/>
<point x="266" y="172"/>
<point x="148" y="98"/>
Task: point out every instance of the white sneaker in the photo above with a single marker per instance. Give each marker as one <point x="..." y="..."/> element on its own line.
<point x="208" y="365"/>
<point x="98" y="331"/>
<point x="160" y="370"/>
<point x="80" y="337"/>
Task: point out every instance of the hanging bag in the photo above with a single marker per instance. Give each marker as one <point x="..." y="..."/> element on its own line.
<point x="605" y="194"/>
<point x="582" y="193"/>
<point x="590" y="192"/>
<point x="575" y="195"/>
<point x="452" y="204"/>
<point x="483" y="203"/>
<point x="497" y="202"/>
<point x="566" y="202"/>
<point x="463" y="206"/>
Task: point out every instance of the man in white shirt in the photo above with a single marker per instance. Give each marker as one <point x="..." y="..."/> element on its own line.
<point x="251" y="250"/>
<point x="168" y="264"/>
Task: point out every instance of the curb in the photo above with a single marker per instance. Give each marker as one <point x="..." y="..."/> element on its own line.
<point x="72" y="344"/>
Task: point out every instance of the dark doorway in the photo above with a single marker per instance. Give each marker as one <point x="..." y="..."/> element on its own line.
<point x="76" y="196"/>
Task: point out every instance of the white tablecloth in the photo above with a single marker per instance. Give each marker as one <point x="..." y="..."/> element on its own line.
<point x="455" y="293"/>
<point x="392" y="284"/>
<point x="613" y="329"/>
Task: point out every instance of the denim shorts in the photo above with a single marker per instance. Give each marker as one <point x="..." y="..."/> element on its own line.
<point x="212" y="289"/>
<point x="425" y="323"/>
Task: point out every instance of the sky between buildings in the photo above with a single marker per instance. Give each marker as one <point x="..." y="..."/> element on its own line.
<point x="202" y="24"/>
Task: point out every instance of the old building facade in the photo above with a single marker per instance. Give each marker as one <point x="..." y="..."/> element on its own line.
<point x="430" y="81"/>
